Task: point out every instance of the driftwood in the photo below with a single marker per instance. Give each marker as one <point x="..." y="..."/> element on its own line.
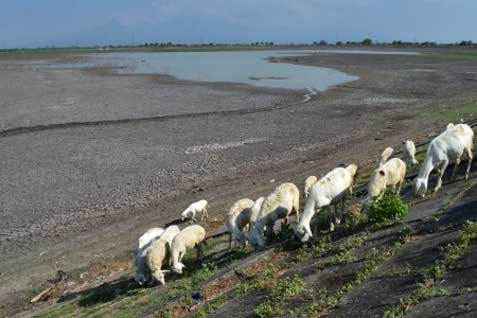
<point x="41" y="296"/>
<point x="55" y="283"/>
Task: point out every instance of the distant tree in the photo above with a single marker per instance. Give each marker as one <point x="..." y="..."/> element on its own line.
<point x="465" y="43"/>
<point x="339" y="43"/>
<point x="428" y="43"/>
<point x="367" y="41"/>
<point x="323" y="42"/>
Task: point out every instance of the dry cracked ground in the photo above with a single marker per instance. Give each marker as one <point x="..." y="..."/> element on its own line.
<point x="83" y="175"/>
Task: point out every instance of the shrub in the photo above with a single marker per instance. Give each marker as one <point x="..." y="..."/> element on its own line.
<point x="389" y="207"/>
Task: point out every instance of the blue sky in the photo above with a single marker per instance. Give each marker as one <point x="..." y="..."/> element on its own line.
<point x="90" y="22"/>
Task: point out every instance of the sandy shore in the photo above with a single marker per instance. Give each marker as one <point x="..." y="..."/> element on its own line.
<point x="72" y="194"/>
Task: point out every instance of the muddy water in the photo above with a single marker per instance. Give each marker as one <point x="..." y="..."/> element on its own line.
<point x="247" y="67"/>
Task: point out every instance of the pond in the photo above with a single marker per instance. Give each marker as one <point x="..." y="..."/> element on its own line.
<point x="246" y="67"/>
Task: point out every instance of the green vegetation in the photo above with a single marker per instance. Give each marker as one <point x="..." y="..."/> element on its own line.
<point x="345" y="254"/>
<point x="344" y="257"/>
<point x="367" y="42"/>
<point x="355" y="219"/>
<point x="353" y="242"/>
<point x="274" y="274"/>
<point x="313" y="249"/>
<point x="114" y="299"/>
<point x="454" y="113"/>
<point x="285" y="233"/>
<point x="262" y="45"/>
<point x="434" y="275"/>
<point x="263" y="280"/>
<point x="459" y="57"/>
<point x="161" y="47"/>
<point x="389" y="207"/>
<point x="324" y="303"/>
<point x="280" y="291"/>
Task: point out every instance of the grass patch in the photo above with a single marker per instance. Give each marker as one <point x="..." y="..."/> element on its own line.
<point x="325" y="303"/>
<point x="263" y="280"/>
<point x="280" y="291"/>
<point x="344" y="257"/>
<point x="429" y="287"/>
<point x="313" y="249"/>
<point x="115" y="300"/>
<point x="353" y="242"/>
<point x="345" y="254"/>
<point x="168" y="48"/>
<point x="453" y="113"/>
<point x="459" y="57"/>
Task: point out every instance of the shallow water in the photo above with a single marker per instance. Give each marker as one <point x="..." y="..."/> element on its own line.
<point x="247" y="67"/>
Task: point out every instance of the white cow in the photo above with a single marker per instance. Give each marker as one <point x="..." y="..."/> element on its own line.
<point x="446" y="148"/>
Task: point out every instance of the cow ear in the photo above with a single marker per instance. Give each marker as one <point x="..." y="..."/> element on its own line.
<point x="381" y="172"/>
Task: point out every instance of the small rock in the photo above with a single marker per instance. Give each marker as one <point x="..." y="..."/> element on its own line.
<point x="272" y="181"/>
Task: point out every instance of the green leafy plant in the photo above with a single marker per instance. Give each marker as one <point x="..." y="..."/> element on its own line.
<point x="285" y="233"/>
<point x="388" y="208"/>
<point x="355" y="219"/>
<point x="280" y="291"/>
<point x="428" y="288"/>
<point x="287" y="287"/>
<point x="264" y="310"/>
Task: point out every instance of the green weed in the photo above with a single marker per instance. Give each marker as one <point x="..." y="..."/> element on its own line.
<point x="389" y="207"/>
